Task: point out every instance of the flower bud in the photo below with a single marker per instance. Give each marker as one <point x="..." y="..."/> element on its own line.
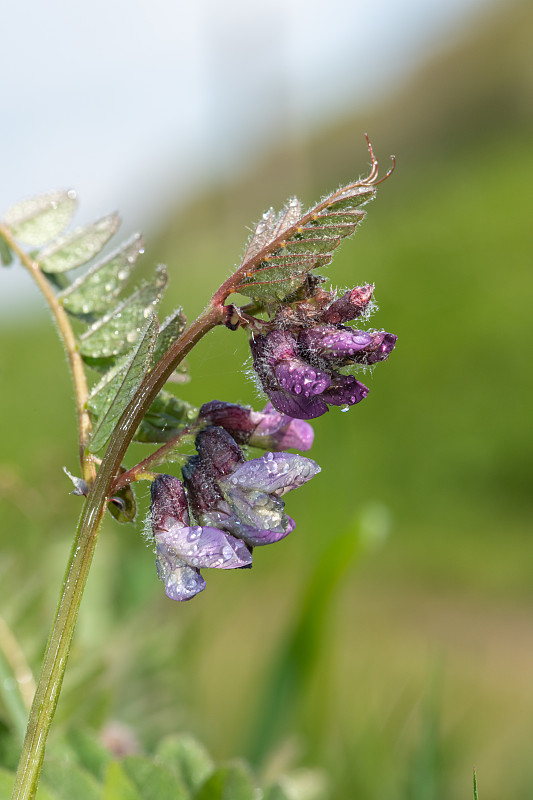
<point x="350" y="306"/>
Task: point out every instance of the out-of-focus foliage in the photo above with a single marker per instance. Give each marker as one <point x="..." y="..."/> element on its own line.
<point x="424" y="666"/>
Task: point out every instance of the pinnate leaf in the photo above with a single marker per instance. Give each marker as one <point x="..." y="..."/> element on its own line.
<point x="124" y="385"/>
<point x="115" y="332"/>
<point x="96" y="291"/>
<point x="171" y="329"/>
<point x="283" y="249"/>
<point x="41" y="219"/>
<point x="166" y="416"/>
<point x="79" y="246"/>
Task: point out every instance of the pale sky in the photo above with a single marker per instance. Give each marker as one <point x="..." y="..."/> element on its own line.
<point x="130" y="102"/>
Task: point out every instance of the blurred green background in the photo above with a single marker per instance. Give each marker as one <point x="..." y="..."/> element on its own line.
<point x="389" y="640"/>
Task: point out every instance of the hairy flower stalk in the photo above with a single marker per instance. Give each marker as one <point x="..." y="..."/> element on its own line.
<point x="304" y="353"/>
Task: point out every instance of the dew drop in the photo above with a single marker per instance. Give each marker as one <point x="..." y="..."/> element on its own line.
<point x="297" y="389"/>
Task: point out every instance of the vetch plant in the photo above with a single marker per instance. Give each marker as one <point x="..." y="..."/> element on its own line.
<point x="306" y="354"/>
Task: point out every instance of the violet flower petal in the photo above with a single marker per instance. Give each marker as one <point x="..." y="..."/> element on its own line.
<point x="181" y="581"/>
<point x="257" y="537"/>
<point x="334" y="343"/>
<point x="345" y="390"/>
<point x="383" y="350"/>
<point x="298" y="377"/>
<point x="277" y="431"/>
<point x="297" y="406"/>
<point x="273" y="472"/>
<point x="206" y="547"/>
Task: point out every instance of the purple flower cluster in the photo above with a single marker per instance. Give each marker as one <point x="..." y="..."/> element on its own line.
<point x="298" y="364"/>
<point x="236" y="503"/>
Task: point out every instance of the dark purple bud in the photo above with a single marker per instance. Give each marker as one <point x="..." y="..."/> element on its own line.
<point x="267" y="429"/>
<point x="169" y="504"/>
<point x="237" y="420"/>
<point x="338" y="344"/>
<point x="350" y="306"/>
<point x="218" y="449"/>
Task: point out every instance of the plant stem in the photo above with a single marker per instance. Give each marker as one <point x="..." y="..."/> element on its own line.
<point x="88" y="469"/>
<point x="56" y="655"/>
<point x="144" y="467"/>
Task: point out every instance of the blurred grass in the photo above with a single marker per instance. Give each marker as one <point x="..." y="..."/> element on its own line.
<point x="420" y="661"/>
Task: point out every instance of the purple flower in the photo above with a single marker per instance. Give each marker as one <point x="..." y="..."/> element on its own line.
<point x="267" y="429"/>
<point x="342" y="346"/>
<point x="296" y="386"/>
<point x="243" y="497"/>
<point x="181" y="549"/>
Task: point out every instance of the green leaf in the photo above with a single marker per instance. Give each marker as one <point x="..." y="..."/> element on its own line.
<point x="89" y="752"/>
<point x="276" y="792"/>
<point x="6" y="256"/>
<point x="171" y="329"/>
<point x="153" y="781"/>
<point x="78" y="247"/>
<point x="115" y="333"/>
<point x="233" y="782"/>
<point x="96" y="291"/>
<point x="66" y="781"/>
<point x="309" y="242"/>
<point x="166" y="416"/>
<point x="122" y="505"/>
<point x="118" y="786"/>
<point x="125" y="384"/>
<point x="42" y="218"/>
<point x="187" y="757"/>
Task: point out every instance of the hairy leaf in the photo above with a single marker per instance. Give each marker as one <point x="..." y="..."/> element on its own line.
<point x="79" y="246"/>
<point x="293" y="245"/>
<point x="124" y="385"/>
<point x="171" y="329"/>
<point x="96" y="291"/>
<point x="115" y="333"/>
<point x="40" y="219"/>
<point x="165" y="418"/>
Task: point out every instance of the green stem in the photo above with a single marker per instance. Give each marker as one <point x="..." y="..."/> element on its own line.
<point x="56" y="655"/>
